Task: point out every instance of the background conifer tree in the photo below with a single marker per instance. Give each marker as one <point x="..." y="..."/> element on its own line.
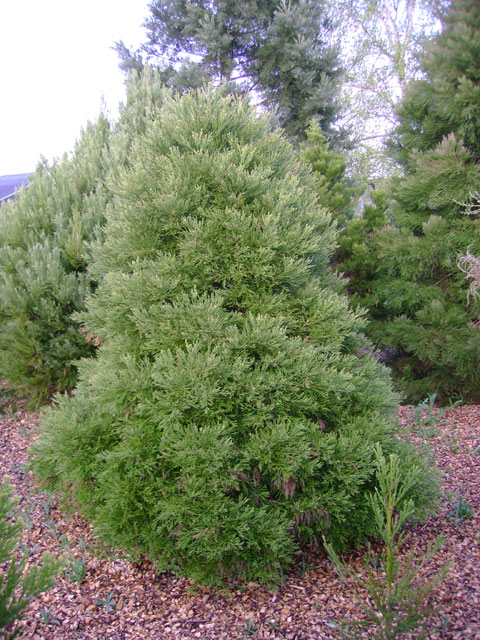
<point x="234" y="407"/>
<point x="356" y="255"/>
<point x="281" y="51"/>
<point x="44" y="250"/>
<point x="42" y="267"/>
<point x="334" y="191"/>
<point x="418" y="296"/>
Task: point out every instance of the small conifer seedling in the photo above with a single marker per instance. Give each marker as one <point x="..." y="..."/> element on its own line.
<point x="398" y="599"/>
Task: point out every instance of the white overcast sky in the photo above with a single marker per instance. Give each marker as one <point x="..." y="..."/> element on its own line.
<point x="56" y="65"/>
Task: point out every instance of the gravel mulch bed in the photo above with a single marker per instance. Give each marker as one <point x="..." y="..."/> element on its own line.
<point x="117" y="600"/>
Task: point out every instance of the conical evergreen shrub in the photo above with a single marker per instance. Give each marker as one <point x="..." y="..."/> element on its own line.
<point x="233" y="409"/>
<point x="44" y="249"/>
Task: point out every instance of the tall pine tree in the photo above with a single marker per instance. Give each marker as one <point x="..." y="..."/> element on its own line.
<point x="417" y="296"/>
<point x="280" y="51"/>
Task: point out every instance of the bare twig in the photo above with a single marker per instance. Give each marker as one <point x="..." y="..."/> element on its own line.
<point x="470" y="265"/>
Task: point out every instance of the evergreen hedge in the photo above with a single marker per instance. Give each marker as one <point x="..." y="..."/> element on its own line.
<point x="232" y="412"/>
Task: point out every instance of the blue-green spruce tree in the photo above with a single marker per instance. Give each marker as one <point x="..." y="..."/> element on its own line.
<point x="282" y="53"/>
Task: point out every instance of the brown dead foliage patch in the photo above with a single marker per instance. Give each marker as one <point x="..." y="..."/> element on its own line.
<point x="166" y="607"/>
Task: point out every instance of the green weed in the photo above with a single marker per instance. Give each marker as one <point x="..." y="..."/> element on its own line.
<point x="426" y="416"/>
<point x="305" y="567"/>
<point x="76" y="569"/>
<point x="461" y="511"/>
<point x="108" y="604"/>
<point x="47" y="617"/>
<point x="249" y="628"/>
<point x="22" y="432"/>
<point x="26" y="517"/>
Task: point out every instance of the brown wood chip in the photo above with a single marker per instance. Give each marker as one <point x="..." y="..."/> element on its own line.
<point x="119" y="600"/>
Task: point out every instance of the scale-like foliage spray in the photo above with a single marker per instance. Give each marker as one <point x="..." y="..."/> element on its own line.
<point x="233" y="409"/>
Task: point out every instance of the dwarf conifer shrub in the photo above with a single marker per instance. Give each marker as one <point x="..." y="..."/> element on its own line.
<point x="356" y="253"/>
<point x="232" y="412"/>
<point x="45" y="235"/>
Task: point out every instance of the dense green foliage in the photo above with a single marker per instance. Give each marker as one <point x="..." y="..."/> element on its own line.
<point x="356" y="254"/>
<point x="283" y="52"/>
<point x="334" y="191"/>
<point x="446" y="99"/>
<point x="42" y="267"/>
<point x="234" y="406"/>
<point x="44" y="250"/>
<point x="416" y="294"/>
<point x="18" y="586"/>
